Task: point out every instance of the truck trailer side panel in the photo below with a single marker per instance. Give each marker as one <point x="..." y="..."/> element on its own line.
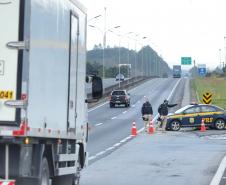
<point x="10" y="59"/>
<point x="57" y="65"/>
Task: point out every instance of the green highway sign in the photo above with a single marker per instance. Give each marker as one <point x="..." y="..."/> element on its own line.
<point x="185" y="60"/>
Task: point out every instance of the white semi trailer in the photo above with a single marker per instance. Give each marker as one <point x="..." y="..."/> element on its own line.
<point x="43" y="114"/>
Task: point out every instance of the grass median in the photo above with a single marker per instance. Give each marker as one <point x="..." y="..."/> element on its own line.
<point x="215" y="86"/>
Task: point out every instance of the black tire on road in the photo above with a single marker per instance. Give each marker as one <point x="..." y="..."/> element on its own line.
<point x="44" y="176"/>
<point x="128" y="104"/>
<point x="175" y="125"/>
<point x="111" y="105"/>
<point x="219" y="124"/>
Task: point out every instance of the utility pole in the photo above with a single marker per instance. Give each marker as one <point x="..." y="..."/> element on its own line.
<point x="221" y="67"/>
<point x="104" y="44"/>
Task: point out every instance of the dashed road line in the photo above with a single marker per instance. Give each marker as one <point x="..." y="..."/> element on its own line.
<point x="123" y="141"/>
<point x="110" y="148"/>
<point x="130" y="136"/>
<point x="124" y="112"/>
<point x="98" y="124"/>
<point x="100" y="153"/>
<point x="91" y="158"/>
<point x="117" y="144"/>
<point x="97" y="107"/>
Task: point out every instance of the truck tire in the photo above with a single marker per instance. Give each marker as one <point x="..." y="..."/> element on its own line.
<point x="44" y="175"/>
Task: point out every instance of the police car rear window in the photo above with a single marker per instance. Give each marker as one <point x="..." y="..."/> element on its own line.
<point x="208" y="109"/>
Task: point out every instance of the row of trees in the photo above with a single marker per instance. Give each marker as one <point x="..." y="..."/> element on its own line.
<point x="110" y="72"/>
<point x="145" y="62"/>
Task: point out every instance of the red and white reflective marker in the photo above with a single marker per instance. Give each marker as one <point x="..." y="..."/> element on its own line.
<point x="7" y="182"/>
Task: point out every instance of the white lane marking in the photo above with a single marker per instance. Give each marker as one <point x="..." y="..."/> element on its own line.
<point x="114" y="117"/>
<point x="97" y="107"/>
<point x="124" y="112"/>
<point x="130" y="136"/>
<point x="138" y="101"/>
<point x="91" y="158"/>
<point x="98" y="124"/>
<point x="110" y="148"/>
<point x="117" y="144"/>
<point x="217" y="177"/>
<point x="133" y="105"/>
<point x="175" y="86"/>
<point x="123" y="141"/>
<point x="100" y="153"/>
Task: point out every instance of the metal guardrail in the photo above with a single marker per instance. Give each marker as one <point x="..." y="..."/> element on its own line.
<point x="123" y="85"/>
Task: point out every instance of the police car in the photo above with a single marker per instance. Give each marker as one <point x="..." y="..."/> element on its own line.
<point x="192" y="115"/>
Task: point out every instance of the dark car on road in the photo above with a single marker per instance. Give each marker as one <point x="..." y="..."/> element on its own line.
<point x="119" y="97"/>
<point x="192" y="115"/>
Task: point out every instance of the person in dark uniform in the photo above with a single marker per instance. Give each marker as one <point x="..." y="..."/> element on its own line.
<point x="163" y="112"/>
<point x="147" y="113"/>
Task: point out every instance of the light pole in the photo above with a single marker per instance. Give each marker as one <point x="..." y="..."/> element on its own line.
<point x="221" y="67"/>
<point x="104" y="46"/>
<point x="128" y="55"/>
<point x="135" y="62"/>
<point x="143" y="56"/>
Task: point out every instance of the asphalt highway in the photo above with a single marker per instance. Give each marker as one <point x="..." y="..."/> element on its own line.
<point x="110" y="126"/>
<point x="180" y="158"/>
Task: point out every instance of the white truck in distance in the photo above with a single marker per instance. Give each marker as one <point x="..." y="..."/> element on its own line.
<point x="43" y="114"/>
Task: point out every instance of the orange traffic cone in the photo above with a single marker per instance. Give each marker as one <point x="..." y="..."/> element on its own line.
<point x="134" y="129"/>
<point x="151" y="128"/>
<point x="203" y="127"/>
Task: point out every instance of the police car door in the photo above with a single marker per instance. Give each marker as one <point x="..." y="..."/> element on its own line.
<point x="190" y="117"/>
<point x="207" y="113"/>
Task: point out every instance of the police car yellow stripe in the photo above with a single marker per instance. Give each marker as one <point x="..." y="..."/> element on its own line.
<point x="195" y="114"/>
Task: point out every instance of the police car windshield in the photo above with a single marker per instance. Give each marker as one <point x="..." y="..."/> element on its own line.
<point x="179" y="111"/>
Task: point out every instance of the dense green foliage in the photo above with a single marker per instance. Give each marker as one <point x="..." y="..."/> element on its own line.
<point x="146" y="62"/>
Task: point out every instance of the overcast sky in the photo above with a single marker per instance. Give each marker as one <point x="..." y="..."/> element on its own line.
<point x="174" y="28"/>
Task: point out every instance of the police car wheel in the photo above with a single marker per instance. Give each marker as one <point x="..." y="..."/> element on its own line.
<point x="175" y="125"/>
<point x="219" y="124"/>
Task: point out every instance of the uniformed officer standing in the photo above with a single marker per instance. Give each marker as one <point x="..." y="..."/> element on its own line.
<point x="163" y="112"/>
<point x="147" y="113"/>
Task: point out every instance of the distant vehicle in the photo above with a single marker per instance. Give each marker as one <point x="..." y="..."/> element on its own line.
<point x="176" y="71"/>
<point x="119" y="97"/>
<point x="192" y="115"/>
<point x="120" y="77"/>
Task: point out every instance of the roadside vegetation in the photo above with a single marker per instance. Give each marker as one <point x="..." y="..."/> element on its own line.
<point x="214" y="85"/>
